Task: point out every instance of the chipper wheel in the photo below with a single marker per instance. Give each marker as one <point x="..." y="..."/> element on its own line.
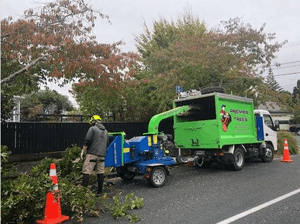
<point x="158" y="176"/>
<point x="125" y="174"/>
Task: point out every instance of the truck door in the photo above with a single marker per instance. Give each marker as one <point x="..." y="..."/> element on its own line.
<point x="269" y="129"/>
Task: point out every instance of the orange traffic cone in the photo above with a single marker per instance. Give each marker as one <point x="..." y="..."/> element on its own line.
<point x="53" y="209"/>
<point x="286" y="153"/>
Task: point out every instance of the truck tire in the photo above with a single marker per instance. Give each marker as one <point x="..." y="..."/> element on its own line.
<point x="213" y="89"/>
<point x="269" y="154"/>
<point x="158" y="176"/>
<point x="238" y="159"/>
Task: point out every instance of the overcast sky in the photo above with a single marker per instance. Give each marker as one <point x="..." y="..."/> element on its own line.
<point x="128" y="16"/>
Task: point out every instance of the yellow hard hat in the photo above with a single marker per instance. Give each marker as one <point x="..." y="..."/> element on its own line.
<point x="95" y="117"/>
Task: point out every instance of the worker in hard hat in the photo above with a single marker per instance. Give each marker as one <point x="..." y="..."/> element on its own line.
<point x="95" y="144"/>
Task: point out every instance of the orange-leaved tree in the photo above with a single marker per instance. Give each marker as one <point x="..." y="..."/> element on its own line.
<point x="55" y="41"/>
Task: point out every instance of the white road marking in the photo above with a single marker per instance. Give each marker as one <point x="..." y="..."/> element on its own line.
<point x="257" y="208"/>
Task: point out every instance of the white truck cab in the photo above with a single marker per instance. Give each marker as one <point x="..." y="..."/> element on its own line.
<point x="269" y="127"/>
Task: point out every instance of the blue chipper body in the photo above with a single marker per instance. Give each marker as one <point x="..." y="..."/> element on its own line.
<point x="140" y="152"/>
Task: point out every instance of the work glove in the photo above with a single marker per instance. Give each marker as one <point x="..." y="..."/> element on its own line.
<point x="81" y="155"/>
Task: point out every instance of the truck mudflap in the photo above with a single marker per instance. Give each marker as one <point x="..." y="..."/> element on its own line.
<point x="226" y="159"/>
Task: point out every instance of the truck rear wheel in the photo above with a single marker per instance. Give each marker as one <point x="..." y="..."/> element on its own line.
<point x="269" y="154"/>
<point x="158" y="176"/>
<point x="238" y="159"/>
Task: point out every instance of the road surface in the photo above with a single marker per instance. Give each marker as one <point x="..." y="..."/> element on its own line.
<point x="260" y="193"/>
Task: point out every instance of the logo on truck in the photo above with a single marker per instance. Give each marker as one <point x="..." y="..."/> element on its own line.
<point x="240" y="112"/>
<point x="238" y="115"/>
<point x="225" y="118"/>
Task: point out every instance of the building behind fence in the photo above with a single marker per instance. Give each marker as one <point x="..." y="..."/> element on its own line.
<point x="29" y="138"/>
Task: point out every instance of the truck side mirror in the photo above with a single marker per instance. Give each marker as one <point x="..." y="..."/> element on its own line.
<point x="277" y="128"/>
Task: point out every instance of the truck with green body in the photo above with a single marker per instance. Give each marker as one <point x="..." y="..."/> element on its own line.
<point x="224" y="128"/>
<point x="213" y="127"/>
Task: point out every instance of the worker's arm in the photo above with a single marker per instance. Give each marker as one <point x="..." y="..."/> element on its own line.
<point x="87" y="141"/>
<point x="84" y="148"/>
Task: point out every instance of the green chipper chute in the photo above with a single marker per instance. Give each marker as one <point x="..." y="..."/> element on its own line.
<point x="155" y="120"/>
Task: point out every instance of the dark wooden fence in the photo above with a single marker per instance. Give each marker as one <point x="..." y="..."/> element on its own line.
<point x="31" y="138"/>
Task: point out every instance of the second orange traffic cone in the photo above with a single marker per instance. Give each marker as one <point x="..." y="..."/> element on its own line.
<point x="286" y="153"/>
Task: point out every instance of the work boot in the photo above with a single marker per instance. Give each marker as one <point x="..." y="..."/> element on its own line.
<point x="100" y="178"/>
<point x="85" y="180"/>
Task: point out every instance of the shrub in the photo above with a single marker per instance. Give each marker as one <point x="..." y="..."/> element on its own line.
<point x="23" y="198"/>
<point x="26" y="194"/>
<point x="292" y="141"/>
<point x="7" y="170"/>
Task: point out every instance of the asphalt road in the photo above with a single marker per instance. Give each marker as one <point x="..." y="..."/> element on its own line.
<point x="213" y="195"/>
<point x="298" y="138"/>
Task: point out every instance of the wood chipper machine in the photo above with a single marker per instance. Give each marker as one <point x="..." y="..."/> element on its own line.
<point x="144" y="155"/>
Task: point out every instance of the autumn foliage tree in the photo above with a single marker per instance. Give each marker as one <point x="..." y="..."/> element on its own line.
<point x="55" y="41"/>
<point x="191" y="54"/>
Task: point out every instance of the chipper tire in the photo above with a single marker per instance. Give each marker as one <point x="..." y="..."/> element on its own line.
<point x="125" y="174"/>
<point x="158" y="177"/>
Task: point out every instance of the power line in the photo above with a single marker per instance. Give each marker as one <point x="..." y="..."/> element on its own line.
<point x="289" y="78"/>
<point x="286" y="67"/>
<point x="291" y="62"/>
<point x="288" y="74"/>
<point x="285" y="63"/>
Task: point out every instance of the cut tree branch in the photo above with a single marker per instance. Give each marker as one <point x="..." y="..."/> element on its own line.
<point x="26" y="68"/>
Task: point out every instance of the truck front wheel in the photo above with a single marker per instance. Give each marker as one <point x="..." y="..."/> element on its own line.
<point x="158" y="176"/>
<point x="269" y="154"/>
<point x="238" y="159"/>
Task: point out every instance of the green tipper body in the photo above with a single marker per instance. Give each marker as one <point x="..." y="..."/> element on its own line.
<point x="215" y="120"/>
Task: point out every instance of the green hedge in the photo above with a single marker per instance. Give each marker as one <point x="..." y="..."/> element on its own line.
<point x="292" y="142"/>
